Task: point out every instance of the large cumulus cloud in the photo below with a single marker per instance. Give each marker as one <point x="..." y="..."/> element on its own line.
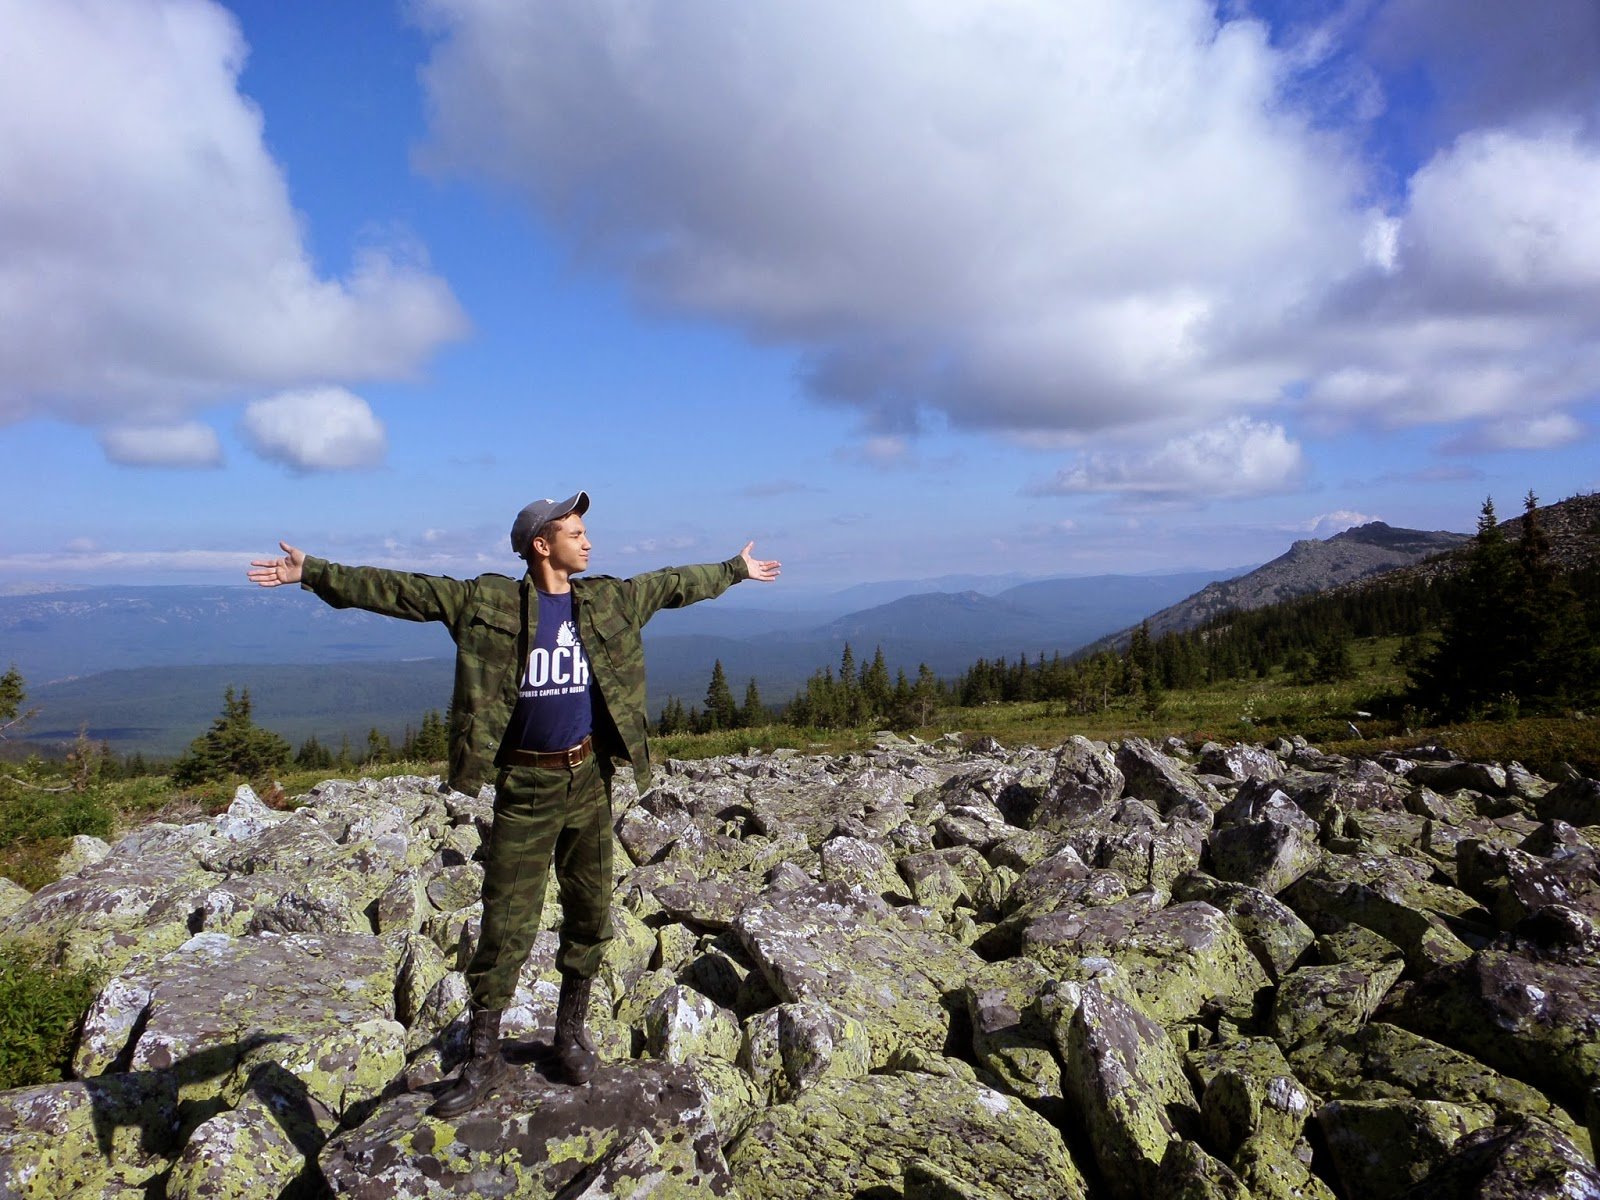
<point x="1056" y="219"/>
<point x="151" y="259"/>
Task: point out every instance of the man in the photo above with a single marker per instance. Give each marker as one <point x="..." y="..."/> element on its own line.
<point x="549" y="690"/>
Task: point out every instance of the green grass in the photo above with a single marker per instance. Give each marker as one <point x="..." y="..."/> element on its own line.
<point x="41" y="1009"/>
<point x="1240" y="710"/>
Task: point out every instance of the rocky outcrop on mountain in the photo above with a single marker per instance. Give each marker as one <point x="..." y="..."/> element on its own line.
<point x="926" y="970"/>
<point x="1306" y="568"/>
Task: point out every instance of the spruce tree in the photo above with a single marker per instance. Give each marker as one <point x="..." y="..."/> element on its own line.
<point x="234" y="745"/>
<point x="721" y="712"/>
<point x="752" y="714"/>
<point x="1471" y="667"/>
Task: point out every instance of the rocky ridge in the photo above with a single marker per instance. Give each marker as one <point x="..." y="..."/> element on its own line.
<point x="1345" y="560"/>
<point x="925" y="971"/>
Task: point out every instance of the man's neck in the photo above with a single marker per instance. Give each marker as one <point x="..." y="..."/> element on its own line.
<point x="547" y="579"/>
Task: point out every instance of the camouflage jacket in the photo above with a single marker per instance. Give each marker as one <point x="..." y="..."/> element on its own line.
<point x="492" y="620"/>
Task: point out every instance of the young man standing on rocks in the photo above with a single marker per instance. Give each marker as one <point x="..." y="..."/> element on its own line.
<point x="549" y="689"/>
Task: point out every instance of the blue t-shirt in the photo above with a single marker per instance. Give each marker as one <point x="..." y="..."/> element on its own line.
<point x="553" y="702"/>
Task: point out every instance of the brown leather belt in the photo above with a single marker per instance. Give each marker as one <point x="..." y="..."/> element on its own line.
<point x="573" y="756"/>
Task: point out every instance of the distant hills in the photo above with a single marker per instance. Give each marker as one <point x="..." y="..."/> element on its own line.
<point x="145" y="667"/>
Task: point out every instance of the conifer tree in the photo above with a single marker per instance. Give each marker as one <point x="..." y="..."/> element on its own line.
<point x="1472" y="667"/>
<point x="752" y="714"/>
<point x="234" y="745"/>
<point x="721" y="711"/>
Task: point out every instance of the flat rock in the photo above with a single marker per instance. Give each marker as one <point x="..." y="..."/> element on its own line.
<point x="634" y="1130"/>
<point x="848" y="1137"/>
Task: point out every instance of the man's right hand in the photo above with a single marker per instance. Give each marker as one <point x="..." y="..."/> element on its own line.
<point x="270" y="572"/>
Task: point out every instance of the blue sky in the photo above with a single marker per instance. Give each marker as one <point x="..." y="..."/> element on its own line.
<point x="897" y="290"/>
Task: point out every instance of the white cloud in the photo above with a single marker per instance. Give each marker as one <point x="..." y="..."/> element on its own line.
<point x="1028" y="216"/>
<point x="1491" y="303"/>
<point x="1235" y="458"/>
<point x="315" y="429"/>
<point x="1063" y="219"/>
<point x="1328" y="524"/>
<point x="190" y="444"/>
<point x="1544" y="432"/>
<point x="152" y="257"/>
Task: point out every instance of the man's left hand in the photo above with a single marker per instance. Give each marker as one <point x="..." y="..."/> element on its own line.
<point x="764" y="569"/>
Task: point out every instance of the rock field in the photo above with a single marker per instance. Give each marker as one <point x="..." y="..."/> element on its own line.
<point x="932" y="971"/>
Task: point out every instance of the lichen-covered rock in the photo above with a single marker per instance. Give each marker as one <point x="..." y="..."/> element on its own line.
<point x="1124" y="1075"/>
<point x="1527" y="1160"/>
<point x="1157" y="778"/>
<point x="1084" y="782"/>
<point x="857" y="862"/>
<point x="259" y="1148"/>
<point x="1011" y="1038"/>
<point x="72" y="1139"/>
<point x="1488" y="778"/>
<point x="12" y="896"/>
<point x="788" y="1048"/>
<point x="82" y="851"/>
<point x="1382" y="1061"/>
<point x="1175" y="959"/>
<point x="1266" y="845"/>
<point x="841" y="947"/>
<point x="680" y="1024"/>
<point x="1577" y="802"/>
<point x="1239" y="1105"/>
<point x="1319" y="1003"/>
<point x="847" y="1137"/>
<point x="1275" y="935"/>
<point x="1514" y="884"/>
<point x="1381" y="1147"/>
<point x="1187" y="1172"/>
<point x="217" y="1008"/>
<point x="1240" y="762"/>
<point x="1398" y="913"/>
<point x="635" y="1130"/>
<point x="1526" y="1017"/>
<point x="1273" y="1171"/>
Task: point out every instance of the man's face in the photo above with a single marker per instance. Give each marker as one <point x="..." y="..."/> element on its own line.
<point x="568" y="545"/>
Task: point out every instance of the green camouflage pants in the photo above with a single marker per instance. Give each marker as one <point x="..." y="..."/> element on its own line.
<point x="543" y="816"/>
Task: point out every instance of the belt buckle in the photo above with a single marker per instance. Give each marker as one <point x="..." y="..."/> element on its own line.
<point x="574" y="754"/>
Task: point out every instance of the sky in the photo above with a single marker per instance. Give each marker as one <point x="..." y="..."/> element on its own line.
<point x="897" y="290"/>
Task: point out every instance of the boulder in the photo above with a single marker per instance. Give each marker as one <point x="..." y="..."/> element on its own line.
<point x="78" y="1138"/>
<point x="1321" y="1002"/>
<point x="1270" y="849"/>
<point x="1525" y="1017"/>
<point x="212" y="1012"/>
<point x="1175" y="959"/>
<point x="857" y="1137"/>
<point x="1527" y="1160"/>
<point x="1187" y="1172"/>
<point x="632" y="1131"/>
<point x="1380" y="1148"/>
<point x="1084" y="783"/>
<point x="788" y="1048"/>
<point x="1124" y="1075"/>
<point x="844" y="948"/>
<point x="261" y="1147"/>
<point x="1158" y="779"/>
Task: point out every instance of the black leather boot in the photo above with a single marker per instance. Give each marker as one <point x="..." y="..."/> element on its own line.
<point x="575" y="1056"/>
<point x="484" y="1070"/>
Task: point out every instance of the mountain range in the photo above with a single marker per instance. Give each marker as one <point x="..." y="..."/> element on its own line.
<point x="144" y="668"/>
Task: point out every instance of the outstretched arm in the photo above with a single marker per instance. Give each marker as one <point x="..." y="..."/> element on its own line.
<point x="271" y="572"/>
<point x="765" y="570"/>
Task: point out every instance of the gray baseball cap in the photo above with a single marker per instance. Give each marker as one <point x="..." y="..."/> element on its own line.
<point x="539" y="514"/>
